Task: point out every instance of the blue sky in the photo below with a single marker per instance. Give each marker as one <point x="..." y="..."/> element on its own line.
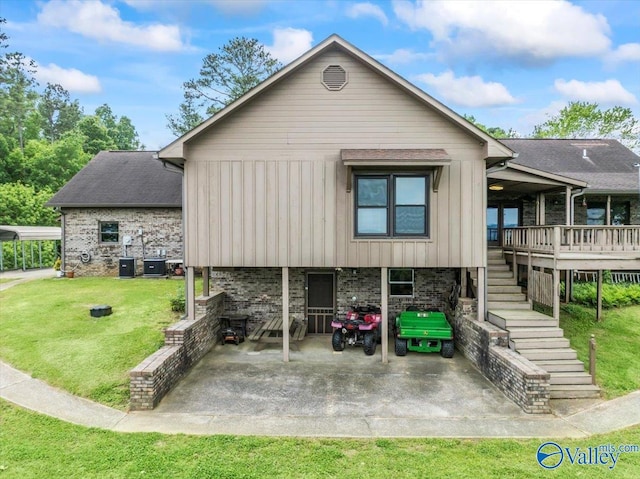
<point x="508" y="63"/>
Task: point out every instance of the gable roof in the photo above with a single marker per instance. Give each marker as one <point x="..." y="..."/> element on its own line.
<point x="175" y="150"/>
<point x="122" y="179"/>
<point x="607" y="165"/>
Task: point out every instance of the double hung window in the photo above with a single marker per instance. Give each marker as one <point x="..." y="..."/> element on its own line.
<point x="392" y="205"/>
<point x="109" y="232"/>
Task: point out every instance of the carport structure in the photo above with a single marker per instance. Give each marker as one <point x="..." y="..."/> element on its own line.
<point x="25" y="234"/>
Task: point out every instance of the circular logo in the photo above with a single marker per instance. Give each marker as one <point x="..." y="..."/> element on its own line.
<point x="549" y="455"/>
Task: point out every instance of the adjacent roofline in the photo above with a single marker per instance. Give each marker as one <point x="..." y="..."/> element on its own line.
<point x="24" y="233"/>
<point x="545" y="174"/>
<point x="174" y="152"/>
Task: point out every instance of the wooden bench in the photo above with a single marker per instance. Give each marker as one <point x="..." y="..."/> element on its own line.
<point x="271" y="332"/>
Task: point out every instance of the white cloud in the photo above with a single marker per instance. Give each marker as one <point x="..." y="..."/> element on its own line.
<point x="358" y="10"/>
<point x="607" y="92"/>
<point x="402" y="56"/>
<point x="527" y="31"/>
<point x="629" y="52"/>
<point x="94" y="19"/>
<point x="70" y="79"/>
<point x="468" y="91"/>
<point x="289" y="44"/>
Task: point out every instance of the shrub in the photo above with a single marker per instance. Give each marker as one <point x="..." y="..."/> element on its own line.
<point x="613" y="295"/>
<point x="178" y="301"/>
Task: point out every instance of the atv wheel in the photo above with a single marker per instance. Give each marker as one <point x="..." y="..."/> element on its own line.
<point x="379" y="335"/>
<point x="401" y="347"/>
<point x="337" y="340"/>
<point x="369" y="343"/>
<point x="447" y="349"/>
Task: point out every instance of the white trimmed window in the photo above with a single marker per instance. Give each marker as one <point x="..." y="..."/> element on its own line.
<point x="109" y="232"/>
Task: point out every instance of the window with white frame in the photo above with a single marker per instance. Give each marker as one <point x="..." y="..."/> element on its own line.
<point x="392" y="205"/>
<point x="109" y="232"/>
<point x="401" y="282"/>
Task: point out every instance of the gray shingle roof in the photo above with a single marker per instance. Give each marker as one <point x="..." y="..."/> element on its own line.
<point x="607" y="166"/>
<point x="122" y="179"/>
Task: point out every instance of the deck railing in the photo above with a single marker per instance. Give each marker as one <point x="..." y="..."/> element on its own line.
<point x="557" y="239"/>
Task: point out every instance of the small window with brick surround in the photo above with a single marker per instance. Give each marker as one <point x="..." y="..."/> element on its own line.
<point x="401" y="282"/>
<point x="109" y="232"/>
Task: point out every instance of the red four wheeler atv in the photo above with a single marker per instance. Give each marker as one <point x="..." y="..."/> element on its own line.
<point x="361" y="326"/>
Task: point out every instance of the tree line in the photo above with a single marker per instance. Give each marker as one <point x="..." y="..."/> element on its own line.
<point x="46" y="138"/>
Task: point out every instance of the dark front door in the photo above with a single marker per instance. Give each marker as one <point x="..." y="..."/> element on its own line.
<point x="320" y="302"/>
<point x="499" y="217"/>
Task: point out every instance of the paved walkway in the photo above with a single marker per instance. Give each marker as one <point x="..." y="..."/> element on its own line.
<point x="22" y="390"/>
<point x="19" y="276"/>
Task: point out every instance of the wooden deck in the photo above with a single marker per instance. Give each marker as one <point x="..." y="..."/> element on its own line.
<point x="574" y="247"/>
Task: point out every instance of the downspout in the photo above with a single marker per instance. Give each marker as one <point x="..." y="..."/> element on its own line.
<point x="580" y="192"/>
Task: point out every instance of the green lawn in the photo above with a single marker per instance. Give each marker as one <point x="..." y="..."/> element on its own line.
<point x="35" y="446"/>
<point x="47" y="331"/>
<point x="618" y="345"/>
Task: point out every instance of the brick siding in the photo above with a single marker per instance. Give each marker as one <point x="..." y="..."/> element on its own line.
<point x="257" y="292"/>
<point x="162" y="230"/>
<point x="186" y="342"/>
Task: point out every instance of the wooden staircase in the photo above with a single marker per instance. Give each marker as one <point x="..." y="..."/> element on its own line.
<point x="534" y="335"/>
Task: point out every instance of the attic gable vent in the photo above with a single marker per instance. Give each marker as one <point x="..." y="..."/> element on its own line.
<point x="334" y="77"/>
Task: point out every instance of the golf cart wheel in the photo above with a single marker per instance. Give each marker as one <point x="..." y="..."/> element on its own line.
<point x="337" y="340"/>
<point x="447" y="349"/>
<point x="370" y="343"/>
<point x="401" y="347"/>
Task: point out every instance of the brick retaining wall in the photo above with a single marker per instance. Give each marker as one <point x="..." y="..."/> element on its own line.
<point x="186" y="342"/>
<point x="485" y="345"/>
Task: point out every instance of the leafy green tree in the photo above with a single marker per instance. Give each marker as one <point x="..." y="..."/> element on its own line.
<point x="17" y="94"/>
<point x="58" y="113"/>
<point x="51" y="165"/>
<point x="239" y="66"/>
<point x="96" y="135"/>
<point x="23" y="205"/>
<point x="120" y="130"/>
<point x="494" y="131"/>
<point x="586" y="120"/>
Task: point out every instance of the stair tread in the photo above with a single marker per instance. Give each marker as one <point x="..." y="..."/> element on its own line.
<point x="567" y="374"/>
<point x="506" y="313"/>
<point x="574" y="387"/>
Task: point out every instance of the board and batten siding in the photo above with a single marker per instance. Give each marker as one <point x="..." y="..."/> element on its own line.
<point x="265" y="186"/>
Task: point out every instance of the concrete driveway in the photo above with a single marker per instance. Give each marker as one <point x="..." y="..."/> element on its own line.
<point x="318" y="382"/>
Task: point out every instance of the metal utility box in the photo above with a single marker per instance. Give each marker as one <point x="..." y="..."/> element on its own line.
<point x="155" y="267"/>
<point x="101" y="310"/>
<point x="127" y="267"/>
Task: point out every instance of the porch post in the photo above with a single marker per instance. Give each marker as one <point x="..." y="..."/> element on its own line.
<point x="481" y="294"/>
<point x="608" y="211"/>
<point x="384" y="307"/>
<point x="190" y="287"/>
<point x="568" y="206"/>
<point x="285" y="314"/>
<point x="599" y="297"/>
<point x="556" y="293"/>
<point x="543" y="210"/>
<point x="205" y="281"/>
<point x="463" y="282"/>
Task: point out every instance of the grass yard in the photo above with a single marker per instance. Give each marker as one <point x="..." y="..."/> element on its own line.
<point x="47" y="331"/>
<point x="618" y="345"/>
<point x="34" y="446"/>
